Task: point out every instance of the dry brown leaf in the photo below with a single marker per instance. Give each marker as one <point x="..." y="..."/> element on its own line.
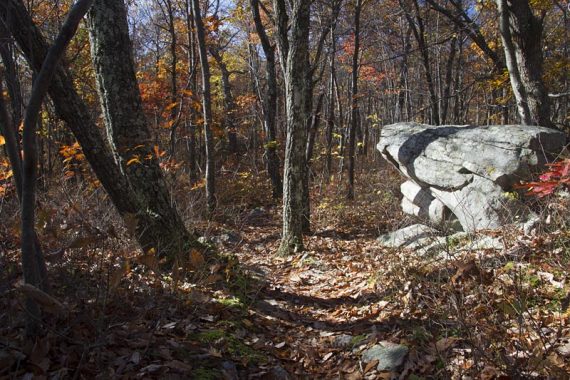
<point x="179" y="366"/>
<point x="444" y="344"/>
<point x="83" y="241"/>
<point x="149" y="260"/>
<point x="196" y="259"/>
<point x="371" y="365"/>
<point x="47" y="302"/>
<point x="118" y="273"/>
<point x="327" y="356"/>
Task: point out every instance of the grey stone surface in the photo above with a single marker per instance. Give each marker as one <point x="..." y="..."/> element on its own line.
<point x="342" y="341"/>
<point x="390" y="356"/>
<point x="279" y="373"/>
<point x="564" y="348"/>
<point x="420" y="202"/>
<point x="467" y="169"/>
<point x="406" y="236"/>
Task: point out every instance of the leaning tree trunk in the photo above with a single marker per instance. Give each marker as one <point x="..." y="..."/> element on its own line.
<point x="294" y="49"/>
<point x="32" y="262"/>
<point x="269" y="104"/>
<point x="9" y="129"/>
<point x="127" y="126"/>
<point x="74" y="112"/>
<point x="521" y="33"/>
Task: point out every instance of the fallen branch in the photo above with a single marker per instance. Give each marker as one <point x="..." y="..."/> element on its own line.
<point x="47" y="303"/>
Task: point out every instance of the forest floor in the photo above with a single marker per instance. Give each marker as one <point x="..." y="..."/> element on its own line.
<point x="487" y="314"/>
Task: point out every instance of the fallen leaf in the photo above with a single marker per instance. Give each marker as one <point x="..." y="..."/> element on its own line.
<point x="444" y="344"/>
<point x="179" y="366"/>
<point x="371" y="365"/>
<point x="196" y="259"/>
<point x="135" y="358"/>
<point x="327" y="357"/>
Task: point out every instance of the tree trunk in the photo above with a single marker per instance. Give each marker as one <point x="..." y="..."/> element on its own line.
<point x="448" y="79"/>
<point x="354" y="101"/>
<point x="207" y="106"/>
<point x="74" y="112"/>
<point x="419" y="35"/>
<point x="269" y="104"/>
<point x="174" y="122"/>
<point x="130" y="136"/>
<point x="229" y="103"/>
<point x="314" y="126"/>
<point x="331" y="108"/>
<point x="521" y="34"/>
<point x="294" y="50"/>
<point x="403" y="80"/>
<point x="32" y="262"/>
<point x="193" y="86"/>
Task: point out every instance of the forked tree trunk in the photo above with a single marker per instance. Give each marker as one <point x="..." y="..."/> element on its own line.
<point x="150" y="228"/>
<point x="521" y="33"/>
<point x="416" y="23"/>
<point x="32" y="261"/>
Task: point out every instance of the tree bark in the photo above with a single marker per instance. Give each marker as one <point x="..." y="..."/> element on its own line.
<point x="31" y="260"/>
<point x="521" y="34"/>
<point x="269" y="104"/>
<point x="331" y="107"/>
<point x="419" y="34"/>
<point x="131" y="140"/>
<point x="294" y="50"/>
<point x="354" y="101"/>
<point x="206" y="105"/>
<point x="74" y="112"/>
<point x="229" y="103"/>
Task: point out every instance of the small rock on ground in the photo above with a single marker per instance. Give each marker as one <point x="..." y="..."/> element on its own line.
<point x="390" y="356"/>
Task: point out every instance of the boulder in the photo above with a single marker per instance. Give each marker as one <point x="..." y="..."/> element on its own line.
<point x="390" y="355"/>
<point x="466" y="172"/>
<point x="407" y="236"/>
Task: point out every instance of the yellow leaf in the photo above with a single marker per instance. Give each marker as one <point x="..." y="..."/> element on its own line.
<point x="171" y="106"/>
<point x="134" y="160"/>
<point x="2" y="140"/>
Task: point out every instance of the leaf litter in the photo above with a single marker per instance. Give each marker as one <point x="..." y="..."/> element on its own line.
<point x="482" y="314"/>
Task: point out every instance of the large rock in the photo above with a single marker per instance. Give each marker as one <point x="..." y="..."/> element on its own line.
<point x="466" y="171"/>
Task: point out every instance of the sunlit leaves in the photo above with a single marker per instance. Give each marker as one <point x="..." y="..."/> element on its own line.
<point x="555" y="178"/>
